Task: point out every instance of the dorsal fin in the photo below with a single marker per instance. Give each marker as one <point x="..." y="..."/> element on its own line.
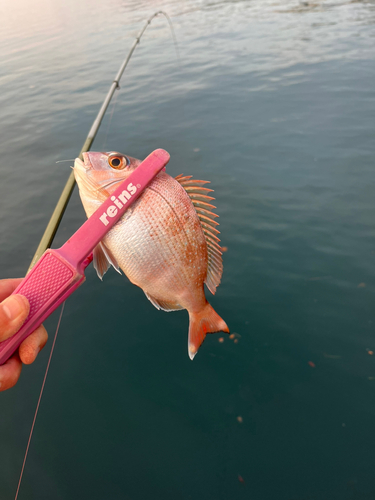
<point x="203" y="207"/>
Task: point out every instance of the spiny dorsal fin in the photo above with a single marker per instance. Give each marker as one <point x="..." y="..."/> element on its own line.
<point x="203" y="207"/>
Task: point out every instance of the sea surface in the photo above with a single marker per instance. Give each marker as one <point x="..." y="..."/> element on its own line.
<point x="273" y="101"/>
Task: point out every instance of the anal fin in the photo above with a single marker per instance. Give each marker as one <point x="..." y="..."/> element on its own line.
<point x="163" y="305"/>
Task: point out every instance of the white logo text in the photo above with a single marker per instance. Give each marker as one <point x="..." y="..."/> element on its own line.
<point x="112" y="210"/>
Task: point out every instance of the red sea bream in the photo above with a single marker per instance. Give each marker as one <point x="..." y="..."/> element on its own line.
<point x="166" y="243"/>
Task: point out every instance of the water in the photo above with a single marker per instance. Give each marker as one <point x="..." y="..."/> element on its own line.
<point x="274" y="103"/>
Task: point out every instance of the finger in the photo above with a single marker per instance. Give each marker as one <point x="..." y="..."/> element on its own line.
<point x="13" y="312"/>
<point x="31" y="346"/>
<point x="8" y="286"/>
<point x="10" y="372"/>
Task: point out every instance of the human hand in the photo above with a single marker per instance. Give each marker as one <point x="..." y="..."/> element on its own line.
<point x="13" y="313"/>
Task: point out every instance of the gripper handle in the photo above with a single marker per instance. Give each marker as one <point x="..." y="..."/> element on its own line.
<point x="46" y="286"/>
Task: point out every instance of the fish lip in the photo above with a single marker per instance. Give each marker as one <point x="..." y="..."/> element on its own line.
<point x="78" y="163"/>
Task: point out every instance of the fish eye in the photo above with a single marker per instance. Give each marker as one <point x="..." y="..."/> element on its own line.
<point x="117" y="161"/>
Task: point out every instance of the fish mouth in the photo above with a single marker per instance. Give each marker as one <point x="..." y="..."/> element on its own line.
<point x="82" y="165"/>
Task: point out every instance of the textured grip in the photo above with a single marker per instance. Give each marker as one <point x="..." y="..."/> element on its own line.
<point x="45" y="282"/>
<point x="46" y="286"/>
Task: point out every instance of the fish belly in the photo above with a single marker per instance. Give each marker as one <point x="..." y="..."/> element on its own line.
<point x="160" y="246"/>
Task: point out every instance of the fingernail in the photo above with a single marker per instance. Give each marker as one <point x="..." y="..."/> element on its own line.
<point x="12" y="307"/>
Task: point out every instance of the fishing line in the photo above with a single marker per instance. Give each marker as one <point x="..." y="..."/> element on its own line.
<point x="56" y="217"/>
<point x="138" y="39"/>
<point x="109" y="122"/>
<point x="38" y="404"/>
<point x="63" y="201"/>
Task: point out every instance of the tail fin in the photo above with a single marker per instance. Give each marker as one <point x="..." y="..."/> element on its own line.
<point x="201" y="323"/>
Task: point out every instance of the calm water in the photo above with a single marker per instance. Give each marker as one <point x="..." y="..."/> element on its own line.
<point x="274" y="102"/>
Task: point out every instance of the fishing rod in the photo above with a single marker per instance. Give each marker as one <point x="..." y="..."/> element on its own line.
<point x="63" y="201"/>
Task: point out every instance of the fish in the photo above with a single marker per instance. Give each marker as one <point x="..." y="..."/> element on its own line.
<point x="166" y="242"/>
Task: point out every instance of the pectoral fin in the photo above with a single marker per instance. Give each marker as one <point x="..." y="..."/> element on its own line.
<point x="103" y="259"/>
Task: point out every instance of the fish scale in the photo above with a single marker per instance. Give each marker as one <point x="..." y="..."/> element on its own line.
<point x="149" y="253"/>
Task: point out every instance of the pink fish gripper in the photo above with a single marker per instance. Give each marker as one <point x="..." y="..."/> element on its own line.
<point x="59" y="272"/>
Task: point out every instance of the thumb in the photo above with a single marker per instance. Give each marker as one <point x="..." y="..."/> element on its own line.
<point x="13" y="312"/>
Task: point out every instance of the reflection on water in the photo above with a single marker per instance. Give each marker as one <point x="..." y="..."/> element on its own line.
<point x="273" y="101"/>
